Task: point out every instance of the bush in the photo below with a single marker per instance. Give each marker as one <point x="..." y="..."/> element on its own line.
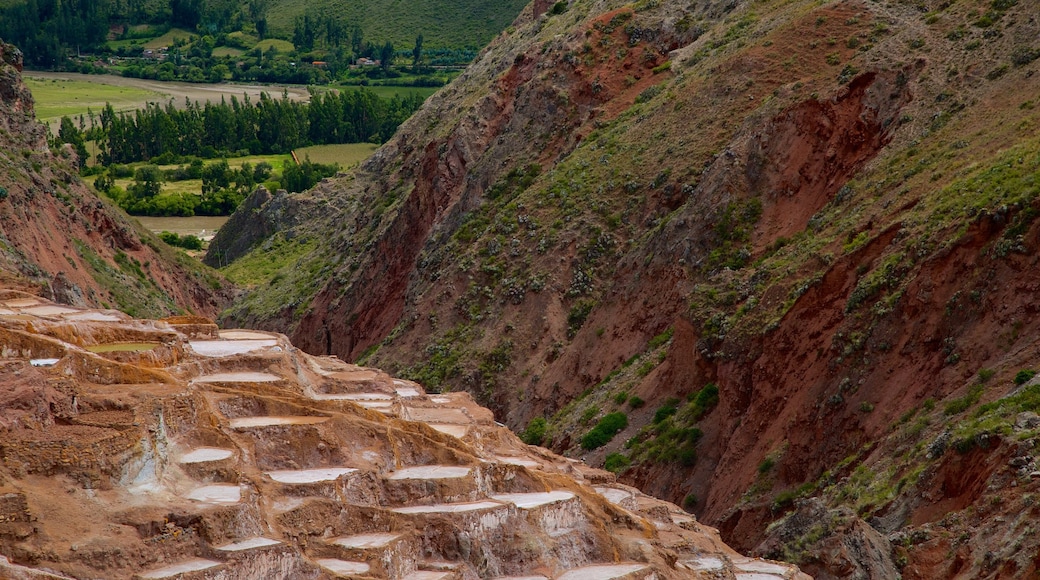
<point x="535" y="432"/>
<point x="620" y="398"/>
<point x="636" y="402"/>
<point x="1023" y="376"/>
<point x="616" y="463"/>
<point x="604" y="431"/>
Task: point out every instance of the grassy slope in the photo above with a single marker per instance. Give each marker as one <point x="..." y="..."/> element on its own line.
<point x="57" y="98"/>
<point x="464" y="23"/>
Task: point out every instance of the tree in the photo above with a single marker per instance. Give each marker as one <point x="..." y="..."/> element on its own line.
<point x="417" y="54"/>
<point x="68" y="133"/>
<point x="148" y="180"/>
<point x="386" y="56"/>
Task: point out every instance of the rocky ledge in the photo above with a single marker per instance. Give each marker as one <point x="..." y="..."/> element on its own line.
<point x="170" y="448"/>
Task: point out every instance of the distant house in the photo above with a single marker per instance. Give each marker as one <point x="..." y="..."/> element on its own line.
<point x="365" y="61"/>
<point x="149" y="53"/>
<point x="319" y="63"/>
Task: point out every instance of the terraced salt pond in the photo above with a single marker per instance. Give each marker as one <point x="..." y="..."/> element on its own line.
<point x="528" y="501"/>
<point x="122" y="347"/>
<point x="309" y="475"/>
<point x="248" y="544"/>
<point x="448" y="508"/>
<point x="194" y="565"/>
<point x="274" y="421"/>
<point x="92" y="316"/>
<point x="602" y="572"/>
<point x="343" y="566"/>
<point x="206" y="454"/>
<point x="361" y="541"/>
<point x="219" y="493"/>
<point x="223" y="348"/>
<point x="431" y="472"/>
<point x="239" y="377"/>
<point x="48" y="310"/>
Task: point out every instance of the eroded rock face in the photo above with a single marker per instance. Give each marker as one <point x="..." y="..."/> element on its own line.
<point x="169" y="448"/>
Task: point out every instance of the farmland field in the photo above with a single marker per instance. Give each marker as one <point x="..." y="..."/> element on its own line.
<point x="72" y="93"/>
<point x="346" y="155"/>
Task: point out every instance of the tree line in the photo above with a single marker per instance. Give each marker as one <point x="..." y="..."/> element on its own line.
<point x="268" y="126"/>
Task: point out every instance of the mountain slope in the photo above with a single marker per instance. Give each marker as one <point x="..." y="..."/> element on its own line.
<point x="813" y="222"/>
<point x="59" y="240"/>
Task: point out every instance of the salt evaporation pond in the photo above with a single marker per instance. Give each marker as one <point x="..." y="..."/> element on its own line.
<point x="273" y="421"/>
<point x="43" y="362"/>
<point x="705" y="563"/>
<point x="518" y="461"/>
<point x="122" y="347"/>
<point x="408" y="392"/>
<point x="226" y="494"/>
<point x="614" y="496"/>
<point x="21" y="302"/>
<point x="193" y="565"/>
<point x="758" y="566"/>
<point x="309" y="475"/>
<point x="215" y="348"/>
<point x="204" y="454"/>
<point x="448" y="508"/>
<point x="431" y="472"/>
<point x="602" y="572"/>
<point x="243" y="335"/>
<point x="91" y="316"/>
<point x="532" y="500"/>
<point x="453" y="430"/>
<point x="48" y="310"/>
<point x="342" y="566"/>
<point x="239" y="377"/>
<point x="375" y="540"/>
<point x="352" y="397"/>
<point x="249" y="544"/>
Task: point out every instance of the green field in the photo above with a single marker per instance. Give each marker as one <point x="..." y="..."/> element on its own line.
<point x="347" y="154"/>
<point x="457" y="24"/>
<point x="58" y="98"/>
<point x="195" y="185"/>
<point x="282" y="46"/>
<point x="168" y="38"/>
<point x="227" y="51"/>
<point x="387" y="92"/>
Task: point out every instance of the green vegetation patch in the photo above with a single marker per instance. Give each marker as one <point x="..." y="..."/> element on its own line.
<point x="610" y="425"/>
<point x="133" y="291"/>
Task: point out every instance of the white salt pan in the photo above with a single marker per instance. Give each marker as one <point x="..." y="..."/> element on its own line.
<point x="520" y="578"/>
<point x="428" y="575"/>
<point x="532" y="500"/>
<point x="602" y="572"/>
<point x="243" y="335"/>
<point x="271" y="421"/>
<point x="6" y="312"/>
<point x="192" y="565"/>
<point x="375" y="540"/>
<point x="352" y="397"/>
<point x="21" y="302"/>
<point x="408" y="392"/>
<point x="760" y="566"/>
<point x="93" y="317"/>
<point x="380" y="406"/>
<point x="239" y="377"/>
<point x="309" y="475"/>
<point x="756" y="576"/>
<point x="249" y="544"/>
<point x="453" y="430"/>
<point x="448" y="508"/>
<point x="518" y="461"/>
<point x="43" y="362"/>
<point x="613" y="495"/>
<point x="219" y="348"/>
<point x="204" y="454"/>
<point x="430" y="472"/>
<point x="441" y="400"/>
<point x="705" y="563"/>
<point x="217" y="494"/>
<point x="343" y="566"/>
<point x="48" y="310"/>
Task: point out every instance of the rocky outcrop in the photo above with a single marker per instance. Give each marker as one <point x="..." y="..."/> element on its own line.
<point x="60" y="240"/>
<point x="156" y="449"/>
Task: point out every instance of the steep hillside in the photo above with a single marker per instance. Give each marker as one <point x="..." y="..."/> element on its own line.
<point x="57" y="239"/>
<point x="792" y="242"/>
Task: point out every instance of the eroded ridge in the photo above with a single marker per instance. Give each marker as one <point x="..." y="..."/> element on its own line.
<point x="171" y="449"/>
